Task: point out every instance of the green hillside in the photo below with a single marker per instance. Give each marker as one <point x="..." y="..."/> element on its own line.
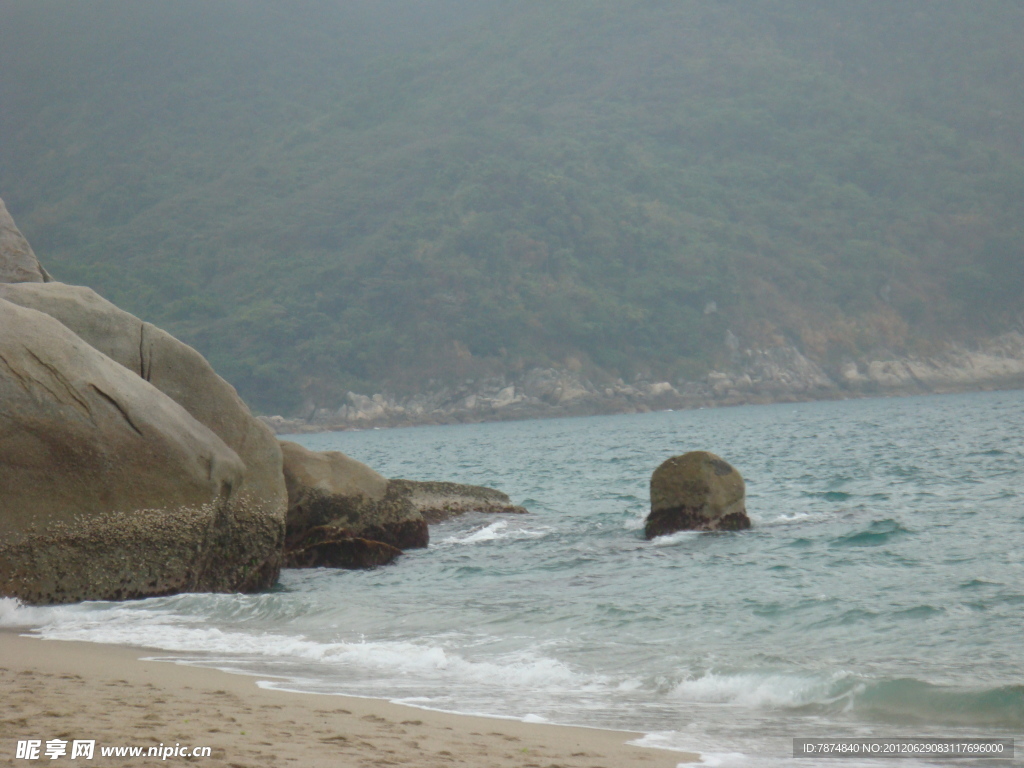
<point x="366" y="195"/>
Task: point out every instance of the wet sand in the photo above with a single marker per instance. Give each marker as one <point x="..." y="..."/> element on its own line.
<point x="67" y="691"/>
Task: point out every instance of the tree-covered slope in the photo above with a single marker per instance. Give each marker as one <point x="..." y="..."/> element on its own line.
<point x="324" y="196"/>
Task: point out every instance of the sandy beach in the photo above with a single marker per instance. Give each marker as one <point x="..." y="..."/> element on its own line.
<point x="69" y="691"/>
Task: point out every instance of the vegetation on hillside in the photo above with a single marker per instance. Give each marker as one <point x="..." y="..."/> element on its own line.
<point x="329" y="196"/>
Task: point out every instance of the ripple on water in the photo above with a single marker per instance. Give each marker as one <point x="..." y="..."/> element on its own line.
<point x="878" y="533"/>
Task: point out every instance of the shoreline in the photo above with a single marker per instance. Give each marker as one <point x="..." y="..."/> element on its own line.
<point x="67" y="690"/>
<point x="779" y="374"/>
<point x="477" y="403"/>
<point x="291" y="427"/>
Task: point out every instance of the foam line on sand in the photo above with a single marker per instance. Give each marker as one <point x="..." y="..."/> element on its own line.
<point x="66" y="691"/>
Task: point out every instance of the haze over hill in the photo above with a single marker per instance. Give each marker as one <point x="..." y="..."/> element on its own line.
<point x="325" y="196"/>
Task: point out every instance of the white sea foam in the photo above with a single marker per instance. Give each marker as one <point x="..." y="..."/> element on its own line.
<point x="11" y="613"/>
<point x="754" y="690"/>
<point x="427" y="704"/>
<point x="698" y="744"/>
<point x="670" y="740"/>
<point x="494" y="531"/>
<point x="710" y="751"/>
<point x="794" y="516"/>
<point x="636" y="522"/>
<point x="630" y="684"/>
<point x="514" y="670"/>
<point x="789" y="517"/>
<point x="675" y="741"/>
<point x="487" y="533"/>
<point x="14" y="613"/>
<point x="419" y="659"/>
<point x="672" y="539"/>
<point x="723" y="759"/>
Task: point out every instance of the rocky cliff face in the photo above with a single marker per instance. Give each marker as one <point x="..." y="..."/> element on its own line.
<point x="18" y="263"/>
<point x="777" y="374"/>
<point x="128" y="468"/>
<point x="998" y="364"/>
<point x="175" y="369"/>
<point x="108" y="488"/>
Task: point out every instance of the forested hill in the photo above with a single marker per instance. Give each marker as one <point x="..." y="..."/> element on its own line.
<point x="324" y="196"/>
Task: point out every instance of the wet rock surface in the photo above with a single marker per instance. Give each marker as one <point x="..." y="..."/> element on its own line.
<point x="326" y="547"/>
<point x="330" y="489"/>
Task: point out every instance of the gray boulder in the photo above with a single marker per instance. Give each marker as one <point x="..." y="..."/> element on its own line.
<point x="18" y="264"/>
<point x="108" y="488"/>
<point x="697" y="491"/>
<point x="178" y="371"/>
<point x="329" y="489"/>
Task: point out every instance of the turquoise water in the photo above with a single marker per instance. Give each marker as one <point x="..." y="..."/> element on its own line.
<point x="879" y="593"/>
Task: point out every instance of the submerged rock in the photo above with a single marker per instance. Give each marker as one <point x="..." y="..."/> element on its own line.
<point x="697" y="491"/>
<point x="438" y="501"/>
<point x="109" y="489"/>
<point x="328" y="488"/>
<point x="326" y="547"/>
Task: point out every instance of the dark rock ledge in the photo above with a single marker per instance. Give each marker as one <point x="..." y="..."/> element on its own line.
<point x="343" y="514"/>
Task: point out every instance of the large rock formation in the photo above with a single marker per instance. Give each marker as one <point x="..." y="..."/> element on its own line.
<point x="178" y="371"/>
<point x="108" y="488"/>
<point x="697" y="491"/>
<point x="329" y="489"/>
<point x="438" y="501"/>
<point x="18" y="263"/>
<point x="89" y="512"/>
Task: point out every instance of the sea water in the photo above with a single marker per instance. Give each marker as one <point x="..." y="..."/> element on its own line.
<point x="880" y="592"/>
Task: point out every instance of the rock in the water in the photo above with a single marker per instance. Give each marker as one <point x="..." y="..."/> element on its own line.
<point x="697" y="491"/>
<point x="438" y="501"/>
<point x="178" y="371"/>
<point x="108" y="488"/>
<point x="326" y="547"/>
<point x="330" y="489"/>
<point x="18" y="264"/>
